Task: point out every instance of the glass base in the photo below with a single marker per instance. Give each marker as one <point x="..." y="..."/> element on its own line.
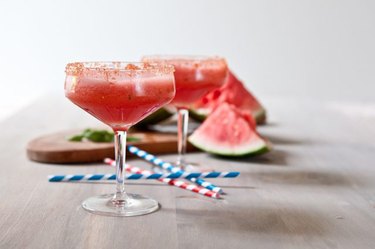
<point x="137" y="205"/>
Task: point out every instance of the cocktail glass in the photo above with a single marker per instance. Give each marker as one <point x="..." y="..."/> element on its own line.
<point x="119" y="94"/>
<point x="195" y="76"/>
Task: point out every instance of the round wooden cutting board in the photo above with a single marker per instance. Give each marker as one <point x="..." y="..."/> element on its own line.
<point x="55" y="148"/>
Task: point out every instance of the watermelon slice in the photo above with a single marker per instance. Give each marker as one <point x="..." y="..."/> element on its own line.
<point x="232" y="92"/>
<point x="228" y="131"/>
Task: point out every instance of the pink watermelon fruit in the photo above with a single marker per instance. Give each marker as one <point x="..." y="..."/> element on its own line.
<point x="232" y="92"/>
<point x="228" y="131"/>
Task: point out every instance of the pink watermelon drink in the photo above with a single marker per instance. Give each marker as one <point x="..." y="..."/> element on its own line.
<point x="119" y="94"/>
<point x="121" y="101"/>
<point x="195" y="77"/>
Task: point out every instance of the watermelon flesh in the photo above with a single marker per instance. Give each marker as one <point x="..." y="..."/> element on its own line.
<point x="228" y="131"/>
<point x="232" y="92"/>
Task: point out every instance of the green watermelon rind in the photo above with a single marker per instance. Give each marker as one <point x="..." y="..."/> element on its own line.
<point x="252" y="150"/>
<point x="156" y="117"/>
<point x="201" y="114"/>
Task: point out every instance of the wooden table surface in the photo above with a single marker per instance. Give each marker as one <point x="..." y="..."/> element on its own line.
<point x="315" y="190"/>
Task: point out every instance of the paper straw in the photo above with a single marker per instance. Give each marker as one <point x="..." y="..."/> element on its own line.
<point x="169" y="167"/>
<point x="152" y="176"/>
<point x="76" y="178"/>
<point x="172" y="182"/>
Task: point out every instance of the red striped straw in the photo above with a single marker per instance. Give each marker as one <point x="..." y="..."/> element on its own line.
<point x="173" y="182"/>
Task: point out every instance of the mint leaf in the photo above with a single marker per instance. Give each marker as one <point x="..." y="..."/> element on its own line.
<point x="98" y="136"/>
<point x="76" y="138"/>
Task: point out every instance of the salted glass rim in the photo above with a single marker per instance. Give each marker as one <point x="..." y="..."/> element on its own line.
<point x="182" y="57"/>
<point x="118" y="66"/>
<point x="165" y="58"/>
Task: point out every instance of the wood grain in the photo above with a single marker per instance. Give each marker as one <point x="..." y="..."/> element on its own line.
<point x="315" y="190"/>
<point x="55" y="148"/>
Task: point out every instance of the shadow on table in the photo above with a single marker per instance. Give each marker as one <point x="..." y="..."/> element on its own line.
<point x="269" y="124"/>
<point x="282" y="140"/>
<point x="303" y="177"/>
<point x="154" y="183"/>
<point x="267" y="220"/>
<point x="275" y="157"/>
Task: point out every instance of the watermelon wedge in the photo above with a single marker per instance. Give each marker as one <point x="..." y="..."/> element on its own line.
<point x="228" y="131"/>
<point x="232" y="92"/>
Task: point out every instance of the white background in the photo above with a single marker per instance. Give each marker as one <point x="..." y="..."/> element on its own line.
<point x="321" y="49"/>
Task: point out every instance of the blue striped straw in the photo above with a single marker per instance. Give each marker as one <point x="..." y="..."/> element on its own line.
<point x="169" y="167"/>
<point x="155" y="176"/>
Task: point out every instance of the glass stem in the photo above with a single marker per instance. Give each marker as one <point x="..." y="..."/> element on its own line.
<point x="182" y="126"/>
<point x="120" y="198"/>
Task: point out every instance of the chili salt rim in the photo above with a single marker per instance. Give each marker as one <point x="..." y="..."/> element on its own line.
<point x="185" y="59"/>
<point x="118" y="67"/>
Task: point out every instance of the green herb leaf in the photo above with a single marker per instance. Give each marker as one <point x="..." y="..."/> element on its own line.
<point x="98" y="136"/>
<point x="102" y="136"/>
<point x="75" y="138"/>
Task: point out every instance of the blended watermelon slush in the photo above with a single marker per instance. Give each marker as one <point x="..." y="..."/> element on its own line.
<point x="194" y="76"/>
<point x="119" y="94"/>
<point x="119" y="101"/>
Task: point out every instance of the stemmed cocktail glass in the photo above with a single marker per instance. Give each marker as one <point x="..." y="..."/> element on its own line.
<point x="120" y="94"/>
<point x="195" y="76"/>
